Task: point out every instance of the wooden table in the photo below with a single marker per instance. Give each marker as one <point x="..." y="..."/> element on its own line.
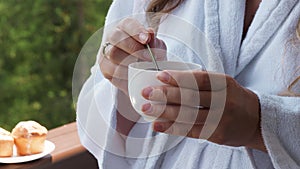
<point x="68" y="153"/>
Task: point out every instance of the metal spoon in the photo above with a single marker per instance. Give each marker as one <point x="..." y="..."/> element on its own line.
<point x="153" y="58"/>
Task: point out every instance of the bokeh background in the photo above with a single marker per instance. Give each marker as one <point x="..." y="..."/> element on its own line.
<point x="40" y="41"/>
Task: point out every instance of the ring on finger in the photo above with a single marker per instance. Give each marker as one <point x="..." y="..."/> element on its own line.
<point x="104" y="52"/>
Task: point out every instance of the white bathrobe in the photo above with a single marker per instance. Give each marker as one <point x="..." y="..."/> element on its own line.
<point x="265" y="61"/>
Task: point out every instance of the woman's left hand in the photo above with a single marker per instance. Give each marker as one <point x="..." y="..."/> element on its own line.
<point x="189" y="99"/>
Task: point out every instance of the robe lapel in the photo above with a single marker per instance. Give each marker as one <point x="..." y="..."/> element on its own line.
<point x="224" y="29"/>
<point x="270" y="15"/>
<point x="212" y="32"/>
<point x="231" y="30"/>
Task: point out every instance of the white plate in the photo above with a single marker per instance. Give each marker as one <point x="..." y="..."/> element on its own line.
<point x="49" y="147"/>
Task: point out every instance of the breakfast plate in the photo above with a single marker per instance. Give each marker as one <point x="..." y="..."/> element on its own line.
<point x="49" y="147"/>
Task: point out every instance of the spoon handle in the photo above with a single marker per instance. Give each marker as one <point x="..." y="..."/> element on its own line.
<point x="153" y="57"/>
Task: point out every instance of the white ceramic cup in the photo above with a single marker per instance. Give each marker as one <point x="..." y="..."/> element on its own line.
<point x="140" y="77"/>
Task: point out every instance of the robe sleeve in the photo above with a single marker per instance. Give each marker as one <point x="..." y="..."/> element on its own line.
<point x="280" y="123"/>
<point x="96" y="111"/>
<point x="96" y="103"/>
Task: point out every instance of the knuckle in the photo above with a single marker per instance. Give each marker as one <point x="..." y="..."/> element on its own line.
<point x="124" y="22"/>
<point x="133" y="47"/>
<point x="116" y="81"/>
<point x="164" y="90"/>
<point x="229" y="81"/>
<point x="123" y="74"/>
<point x="129" y="24"/>
<point x="107" y="76"/>
<point x="204" y="80"/>
<point x="105" y="71"/>
<point x="182" y="115"/>
<point x="193" y="98"/>
<point x="112" y="53"/>
<point x="115" y="36"/>
<point x="171" y="129"/>
<point x="179" y="79"/>
<point x="191" y="116"/>
<point x="220" y="139"/>
<point x="172" y="113"/>
<point x="120" y="84"/>
<point x="189" y="97"/>
<point x="230" y="105"/>
<point x="193" y="133"/>
<point x="159" y="110"/>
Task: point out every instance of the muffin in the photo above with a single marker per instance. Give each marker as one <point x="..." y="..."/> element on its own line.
<point x="29" y="137"/>
<point x="6" y="143"/>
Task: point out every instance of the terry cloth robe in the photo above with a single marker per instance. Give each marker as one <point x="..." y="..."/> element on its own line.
<point x="265" y="61"/>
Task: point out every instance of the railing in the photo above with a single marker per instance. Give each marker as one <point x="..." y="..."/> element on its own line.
<point x="68" y="153"/>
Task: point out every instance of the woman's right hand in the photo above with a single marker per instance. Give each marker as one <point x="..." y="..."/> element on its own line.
<point x="127" y="45"/>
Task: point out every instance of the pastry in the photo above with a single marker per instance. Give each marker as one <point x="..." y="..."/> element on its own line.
<point x="6" y="143"/>
<point x="29" y="137"/>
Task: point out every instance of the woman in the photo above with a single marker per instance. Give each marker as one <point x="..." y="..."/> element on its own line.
<point x="258" y="44"/>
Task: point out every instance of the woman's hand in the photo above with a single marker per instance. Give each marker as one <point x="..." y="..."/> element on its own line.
<point x="127" y="45"/>
<point x="192" y="96"/>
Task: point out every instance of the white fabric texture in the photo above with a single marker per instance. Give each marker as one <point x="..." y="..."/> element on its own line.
<point x="265" y="62"/>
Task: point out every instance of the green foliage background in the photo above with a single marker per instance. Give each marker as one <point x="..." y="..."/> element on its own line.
<point x="39" y="44"/>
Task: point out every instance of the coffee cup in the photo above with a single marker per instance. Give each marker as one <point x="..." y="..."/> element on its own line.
<point x="143" y="74"/>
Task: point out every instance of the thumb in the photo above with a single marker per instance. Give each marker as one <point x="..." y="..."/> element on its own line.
<point x="157" y="45"/>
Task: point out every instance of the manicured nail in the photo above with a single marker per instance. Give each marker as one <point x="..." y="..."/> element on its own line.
<point x="147" y="92"/>
<point x="164" y="77"/>
<point x="158" y="127"/>
<point x="143" y="37"/>
<point x="147" y="108"/>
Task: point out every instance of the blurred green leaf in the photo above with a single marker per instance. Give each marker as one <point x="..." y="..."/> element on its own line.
<point x="39" y="44"/>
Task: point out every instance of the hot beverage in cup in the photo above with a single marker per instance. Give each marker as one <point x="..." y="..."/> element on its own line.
<point x="143" y="74"/>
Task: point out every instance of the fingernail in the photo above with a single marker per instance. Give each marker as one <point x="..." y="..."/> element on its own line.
<point x="143" y="37"/>
<point x="147" y="92"/>
<point x="147" y="108"/>
<point x="164" y="77"/>
<point x="158" y="127"/>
